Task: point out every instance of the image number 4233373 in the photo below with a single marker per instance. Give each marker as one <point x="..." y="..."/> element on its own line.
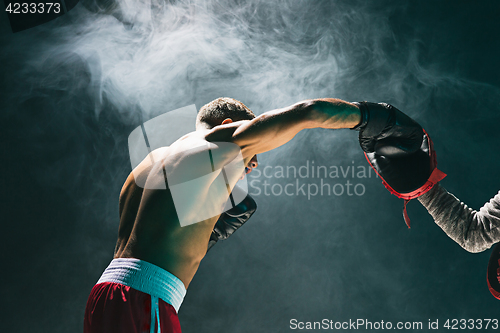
<point x="27" y="14"/>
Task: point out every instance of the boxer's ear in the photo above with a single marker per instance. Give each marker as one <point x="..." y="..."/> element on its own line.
<point x="22" y="18"/>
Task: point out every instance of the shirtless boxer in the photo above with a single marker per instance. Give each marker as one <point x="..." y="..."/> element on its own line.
<point x="155" y="257"/>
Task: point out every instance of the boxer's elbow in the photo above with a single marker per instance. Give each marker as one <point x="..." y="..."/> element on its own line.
<point x="473" y="247"/>
<point x="478" y="238"/>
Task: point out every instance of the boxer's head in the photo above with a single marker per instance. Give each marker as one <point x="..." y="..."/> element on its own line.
<point x="225" y="110"/>
<point x="215" y="112"/>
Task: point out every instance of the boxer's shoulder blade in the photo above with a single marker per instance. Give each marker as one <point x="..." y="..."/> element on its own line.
<point x="195" y="157"/>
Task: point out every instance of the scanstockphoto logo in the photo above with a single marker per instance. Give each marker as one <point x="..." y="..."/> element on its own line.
<point x="198" y="175"/>
<point x="310" y="180"/>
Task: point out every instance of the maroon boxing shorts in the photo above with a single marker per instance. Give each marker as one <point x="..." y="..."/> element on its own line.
<point x="134" y="296"/>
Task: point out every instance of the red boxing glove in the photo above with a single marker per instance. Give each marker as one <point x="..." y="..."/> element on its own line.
<point x="493" y="275"/>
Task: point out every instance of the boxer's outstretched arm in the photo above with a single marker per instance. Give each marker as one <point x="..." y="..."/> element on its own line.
<point x="473" y="230"/>
<point x="275" y="128"/>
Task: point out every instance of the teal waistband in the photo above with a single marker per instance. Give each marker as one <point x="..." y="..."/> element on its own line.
<point x="146" y="277"/>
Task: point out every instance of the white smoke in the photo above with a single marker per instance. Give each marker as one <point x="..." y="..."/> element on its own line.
<point x="77" y="86"/>
<point x="154" y="56"/>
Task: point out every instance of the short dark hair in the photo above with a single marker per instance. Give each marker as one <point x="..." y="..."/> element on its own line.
<point x="215" y="112"/>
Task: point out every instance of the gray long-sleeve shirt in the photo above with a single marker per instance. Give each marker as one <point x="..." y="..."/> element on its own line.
<point x="475" y="231"/>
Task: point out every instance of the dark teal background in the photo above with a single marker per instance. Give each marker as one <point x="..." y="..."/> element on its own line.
<point x="65" y="157"/>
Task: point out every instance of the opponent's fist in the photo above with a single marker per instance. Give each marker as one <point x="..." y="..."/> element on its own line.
<point x="232" y="219"/>
<point x="386" y="131"/>
<point x="493" y="276"/>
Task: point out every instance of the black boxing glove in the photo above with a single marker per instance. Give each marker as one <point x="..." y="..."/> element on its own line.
<point x="385" y="130"/>
<point x="232" y="219"/>
<point x="399" y="150"/>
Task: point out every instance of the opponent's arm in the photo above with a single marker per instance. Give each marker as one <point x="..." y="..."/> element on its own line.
<point x="275" y="128"/>
<point x="473" y="230"/>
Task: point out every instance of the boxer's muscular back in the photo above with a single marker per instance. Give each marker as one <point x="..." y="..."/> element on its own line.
<point x="149" y="225"/>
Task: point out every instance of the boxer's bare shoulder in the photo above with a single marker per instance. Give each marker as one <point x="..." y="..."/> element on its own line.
<point x="149" y="223"/>
<point x="163" y="223"/>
